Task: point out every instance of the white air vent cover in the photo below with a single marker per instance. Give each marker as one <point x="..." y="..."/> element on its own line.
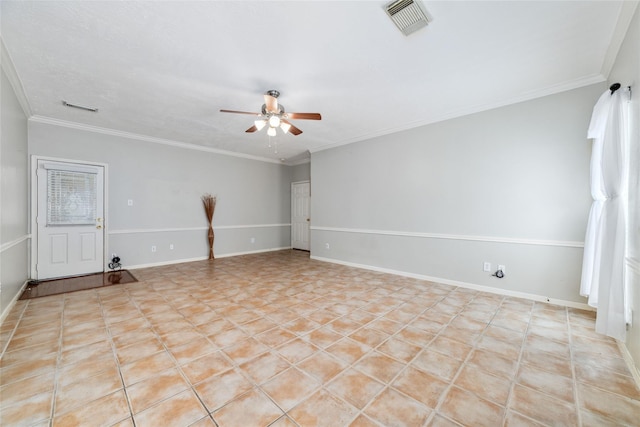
<point x="408" y="15"/>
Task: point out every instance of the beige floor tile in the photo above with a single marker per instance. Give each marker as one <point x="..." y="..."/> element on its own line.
<point x="617" y="408"/>
<point x="28" y="412"/>
<point x="484" y="385"/>
<point x="392" y="408"/>
<point x="225" y="329"/>
<point x="355" y="387"/>
<point x="451" y="348"/>
<point x="218" y="390"/>
<point x="296" y="350"/>
<point x="379" y="366"/>
<point x="348" y="350"/>
<point x="322" y="366"/>
<point x="30" y="368"/>
<point x="86" y="368"/>
<point x="20" y="390"/>
<point x="437" y="364"/>
<point x="206" y="366"/>
<point x="290" y="388"/>
<point x="555" y="385"/>
<point x="192" y="350"/>
<point x="140" y="349"/>
<point x="265" y="366"/>
<point x="468" y="409"/>
<point x="421" y="386"/>
<point x="146" y="367"/>
<point x="79" y="393"/>
<point x="530" y="402"/>
<point x="155" y="389"/>
<point x="182" y="409"/>
<point x="607" y="380"/>
<point x="245" y="350"/>
<point x="323" y="409"/>
<point x="250" y="409"/>
<point x="105" y="411"/>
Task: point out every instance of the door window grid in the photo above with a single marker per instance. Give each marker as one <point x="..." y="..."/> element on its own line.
<point x="71" y="198"/>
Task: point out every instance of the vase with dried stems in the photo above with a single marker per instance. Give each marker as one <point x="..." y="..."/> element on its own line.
<point x="209" y="203"/>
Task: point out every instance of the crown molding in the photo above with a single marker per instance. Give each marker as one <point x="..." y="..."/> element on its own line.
<point x="627" y="10"/>
<point x="10" y="70"/>
<point x="139" y="137"/>
<point x="550" y="90"/>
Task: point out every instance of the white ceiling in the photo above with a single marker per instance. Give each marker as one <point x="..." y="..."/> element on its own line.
<point x="163" y="70"/>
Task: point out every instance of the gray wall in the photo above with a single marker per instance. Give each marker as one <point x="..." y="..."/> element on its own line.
<point x="301" y="172"/>
<point x="507" y="186"/>
<point x="165" y="184"/>
<point x="626" y="70"/>
<point x="14" y="223"/>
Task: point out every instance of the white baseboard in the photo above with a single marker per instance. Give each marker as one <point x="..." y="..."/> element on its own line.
<point x="203" y="258"/>
<point x="630" y="362"/>
<point x="467" y="285"/>
<point x="13" y="302"/>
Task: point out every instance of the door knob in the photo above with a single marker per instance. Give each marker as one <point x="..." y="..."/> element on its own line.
<point x="308" y="219"/>
<point x="99" y="219"/>
<point x="98" y="227"/>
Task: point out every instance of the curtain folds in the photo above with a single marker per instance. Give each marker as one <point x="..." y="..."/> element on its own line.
<point x="603" y="264"/>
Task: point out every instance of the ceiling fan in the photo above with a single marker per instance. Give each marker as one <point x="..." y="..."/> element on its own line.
<point x="273" y="114"/>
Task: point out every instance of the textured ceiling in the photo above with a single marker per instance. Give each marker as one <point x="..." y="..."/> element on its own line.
<point x="163" y="70"/>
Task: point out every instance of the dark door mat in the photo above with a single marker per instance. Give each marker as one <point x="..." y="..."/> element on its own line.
<point x="45" y="288"/>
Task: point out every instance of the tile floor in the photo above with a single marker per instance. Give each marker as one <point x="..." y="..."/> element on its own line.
<point x="279" y="340"/>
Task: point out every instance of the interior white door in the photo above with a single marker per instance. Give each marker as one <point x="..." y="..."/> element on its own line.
<point x="300" y="221"/>
<point x="70" y="219"/>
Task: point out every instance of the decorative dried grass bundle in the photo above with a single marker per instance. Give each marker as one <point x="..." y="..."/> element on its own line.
<point x="209" y="203"/>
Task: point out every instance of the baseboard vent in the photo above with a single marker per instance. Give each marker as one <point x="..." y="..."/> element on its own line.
<point x="408" y="15"/>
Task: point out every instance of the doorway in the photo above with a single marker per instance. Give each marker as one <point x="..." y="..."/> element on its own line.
<point x="300" y="220"/>
<point x="69" y="207"/>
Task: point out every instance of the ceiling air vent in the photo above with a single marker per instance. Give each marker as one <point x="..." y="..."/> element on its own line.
<point x="408" y="15"/>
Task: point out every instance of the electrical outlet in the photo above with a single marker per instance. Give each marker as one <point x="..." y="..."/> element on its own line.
<point x="129" y="202"/>
<point x="253" y="240"/>
<point x="153" y="248"/>
<point x="326" y="246"/>
<point x="502" y="267"/>
<point x="486" y="266"/>
<point x="170" y="246"/>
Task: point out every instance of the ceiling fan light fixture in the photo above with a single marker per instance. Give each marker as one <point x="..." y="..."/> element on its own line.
<point x="285" y="127"/>
<point x="271" y="131"/>
<point x="260" y="124"/>
<point x="274" y="121"/>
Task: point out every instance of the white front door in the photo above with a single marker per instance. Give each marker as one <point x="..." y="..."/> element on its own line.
<point x="300" y="197"/>
<point x="70" y="219"/>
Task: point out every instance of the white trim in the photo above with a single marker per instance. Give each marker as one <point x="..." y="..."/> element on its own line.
<point x="551" y="90"/>
<point x="183" y="229"/>
<point x="9" y="245"/>
<point x="12" y="303"/>
<point x="633" y="264"/>
<point x="635" y="373"/>
<point x="512" y="240"/>
<point x="139" y="137"/>
<point x="7" y="65"/>
<point x="466" y="285"/>
<point x="619" y="33"/>
<point x="204" y="258"/>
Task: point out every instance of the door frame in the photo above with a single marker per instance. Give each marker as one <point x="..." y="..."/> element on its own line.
<point x="33" y="207"/>
<point x="306" y="181"/>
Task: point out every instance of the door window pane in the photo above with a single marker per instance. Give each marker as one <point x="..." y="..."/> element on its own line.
<point x="71" y="197"/>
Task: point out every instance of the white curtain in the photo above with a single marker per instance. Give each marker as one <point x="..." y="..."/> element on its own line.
<point x="603" y="264"/>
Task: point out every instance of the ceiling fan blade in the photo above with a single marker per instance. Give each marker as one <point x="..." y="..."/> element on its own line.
<point x="271" y="103"/>
<point x="292" y="129"/>
<point x="240" y="112"/>
<point x="304" y="116"/>
<point x="251" y="129"/>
